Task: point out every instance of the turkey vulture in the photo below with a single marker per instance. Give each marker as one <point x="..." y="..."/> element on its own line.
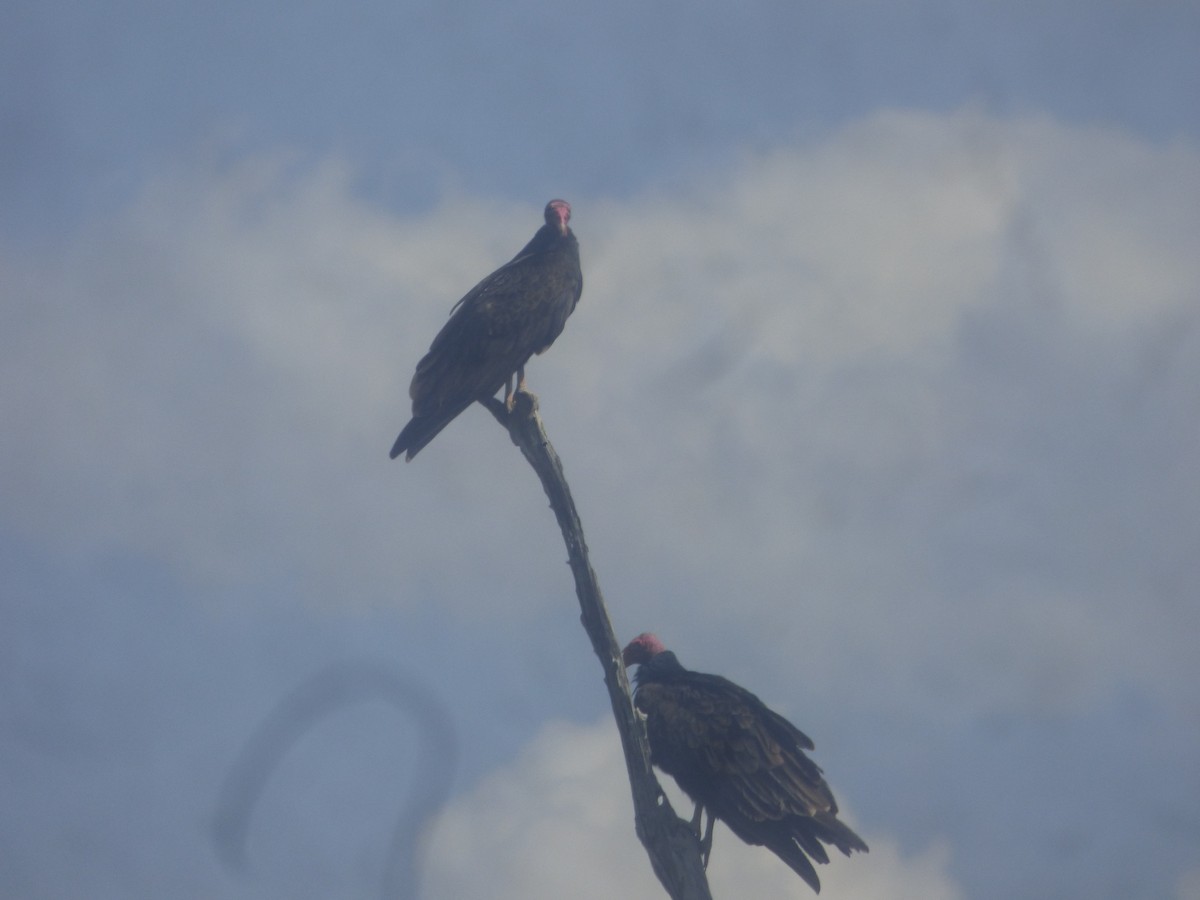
<point x="515" y="312"/>
<point x="738" y="759"/>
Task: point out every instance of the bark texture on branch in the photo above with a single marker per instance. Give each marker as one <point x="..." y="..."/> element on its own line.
<point x="670" y="842"/>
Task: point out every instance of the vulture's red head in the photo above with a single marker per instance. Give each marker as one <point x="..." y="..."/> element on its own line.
<point x="642" y="648"/>
<point x="558" y="214"/>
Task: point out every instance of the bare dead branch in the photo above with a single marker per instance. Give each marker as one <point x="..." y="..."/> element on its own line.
<point x="670" y="842"/>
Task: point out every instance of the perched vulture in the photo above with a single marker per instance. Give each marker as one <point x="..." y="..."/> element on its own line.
<point x="737" y="759"/>
<point x="515" y="312"/>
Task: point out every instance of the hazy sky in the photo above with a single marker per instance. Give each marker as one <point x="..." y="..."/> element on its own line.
<point x="881" y="399"/>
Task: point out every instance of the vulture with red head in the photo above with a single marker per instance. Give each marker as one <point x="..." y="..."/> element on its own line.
<point x="492" y="332"/>
<point x="739" y="760"/>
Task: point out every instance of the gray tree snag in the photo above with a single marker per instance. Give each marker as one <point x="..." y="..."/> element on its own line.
<point x="670" y="842"/>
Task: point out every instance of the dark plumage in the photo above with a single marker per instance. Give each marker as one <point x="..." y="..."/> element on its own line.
<point x="512" y="314"/>
<point x="737" y="759"/>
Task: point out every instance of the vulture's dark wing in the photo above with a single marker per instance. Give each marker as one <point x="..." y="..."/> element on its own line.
<point x="745" y="764"/>
<point x="492" y="332"/>
<point x="752" y="756"/>
<point x="512" y="314"/>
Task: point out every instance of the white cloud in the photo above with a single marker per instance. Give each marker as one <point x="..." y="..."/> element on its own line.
<point x="1188" y="886"/>
<point x="883" y="399"/>
<point x="207" y="381"/>
<point x="558" y="822"/>
<point x="897" y="427"/>
<point x="918" y="395"/>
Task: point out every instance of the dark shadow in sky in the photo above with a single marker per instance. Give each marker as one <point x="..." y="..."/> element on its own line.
<point x="326" y="692"/>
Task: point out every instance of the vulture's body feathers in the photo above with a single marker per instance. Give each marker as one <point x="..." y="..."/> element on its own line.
<point x="492" y="332"/>
<point x="738" y="759"/>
